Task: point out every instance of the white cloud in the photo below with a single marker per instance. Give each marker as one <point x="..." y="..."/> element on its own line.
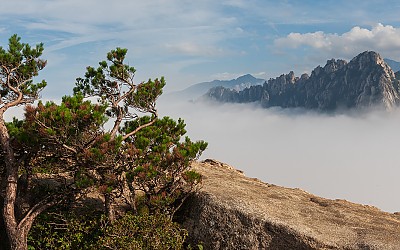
<point x="163" y="37"/>
<point x="134" y="22"/>
<point x="230" y="34"/>
<point x="70" y="27"/>
<point x="194" y="49"/>
<point x="384" y="39"/>
<point x="294" y="40"/>
<point x="343" y="156"/>
<point x="262" y="75"/>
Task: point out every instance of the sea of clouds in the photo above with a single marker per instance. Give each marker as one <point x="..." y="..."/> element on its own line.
<point x="348" y="155"/>
<point x="352" y="156"/>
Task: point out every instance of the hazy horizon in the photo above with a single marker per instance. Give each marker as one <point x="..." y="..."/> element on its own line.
<point x="349" y="155"/>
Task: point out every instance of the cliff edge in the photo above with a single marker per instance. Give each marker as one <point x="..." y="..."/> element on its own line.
<point x="232" y="211"/>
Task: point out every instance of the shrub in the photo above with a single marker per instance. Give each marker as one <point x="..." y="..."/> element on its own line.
<point x="94" y="231"/>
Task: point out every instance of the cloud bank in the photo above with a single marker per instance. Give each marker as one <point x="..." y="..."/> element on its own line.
<point x="384" y="39"/>
<point x="343" y="156"/>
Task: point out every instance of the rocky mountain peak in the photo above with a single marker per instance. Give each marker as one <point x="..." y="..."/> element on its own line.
<point x="316" y="71"/>
<point x="246" y="78"/>
<point x="363" y="82"/>
<point x="333" y="65"/>
<point x="195" y="91"/>
<point x="291" y="77"/>
<point x="304" y="77"/>
<point x="368" y="57"/>
<point x="371" y="58"/>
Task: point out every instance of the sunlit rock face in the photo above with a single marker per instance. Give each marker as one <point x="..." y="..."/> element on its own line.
<point x="232" y="211"/>
<point x="365" y="81"/>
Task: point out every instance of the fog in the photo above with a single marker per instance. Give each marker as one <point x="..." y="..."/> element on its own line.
<point x="338" y="156"/>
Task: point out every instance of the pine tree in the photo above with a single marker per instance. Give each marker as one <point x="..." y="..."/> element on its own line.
<point x="67" y="144"/>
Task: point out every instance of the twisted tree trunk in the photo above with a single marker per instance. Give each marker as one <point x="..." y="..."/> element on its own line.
<point x="10" y="180"/>
<point x="17" y="229"/>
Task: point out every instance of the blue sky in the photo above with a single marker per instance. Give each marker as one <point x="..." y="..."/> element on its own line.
<point x="194" y="41"/>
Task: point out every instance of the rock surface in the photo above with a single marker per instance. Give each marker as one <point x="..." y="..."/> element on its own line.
<point x="235" y="212"/>
<point x="363" y="82"/>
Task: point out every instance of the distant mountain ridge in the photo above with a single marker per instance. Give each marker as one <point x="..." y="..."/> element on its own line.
<point x="197" y="90"/>
<point x="367" y="80"/>
<point x="394" y="65"/>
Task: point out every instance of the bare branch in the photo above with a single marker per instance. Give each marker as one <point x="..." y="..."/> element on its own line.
<point x="140" y="127"/>
<point x="70" y="148"/>
<point x="47" y="202"/>
<point x="16" y="91"/>
<point x="117" y="122"/>
<point x="55" y="138"/>
<point x="124" y="96"/>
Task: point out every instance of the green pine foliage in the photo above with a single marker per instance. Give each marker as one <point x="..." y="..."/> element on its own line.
<point x="20" y="63"/>
<point x="143" y="159"/>
<point x="162" y="161"/>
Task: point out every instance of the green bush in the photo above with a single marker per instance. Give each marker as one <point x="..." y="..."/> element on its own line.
<point x="93" y="231"/>
<point x="143" y="232"/>
<point x="65" y="230"/>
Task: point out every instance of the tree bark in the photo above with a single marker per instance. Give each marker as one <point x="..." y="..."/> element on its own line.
<point x="129" y="193"/>
<point x="17" y="230"/>
<point x="10" y="179"/>
<point x="4" y="244"/>
<point x="109" y="208"/>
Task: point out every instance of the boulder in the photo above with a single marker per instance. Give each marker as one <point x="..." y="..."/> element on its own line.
<point x="232" y="211"/>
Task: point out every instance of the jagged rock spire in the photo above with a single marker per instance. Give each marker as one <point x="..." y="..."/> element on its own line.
<point x="363" y="82"/>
